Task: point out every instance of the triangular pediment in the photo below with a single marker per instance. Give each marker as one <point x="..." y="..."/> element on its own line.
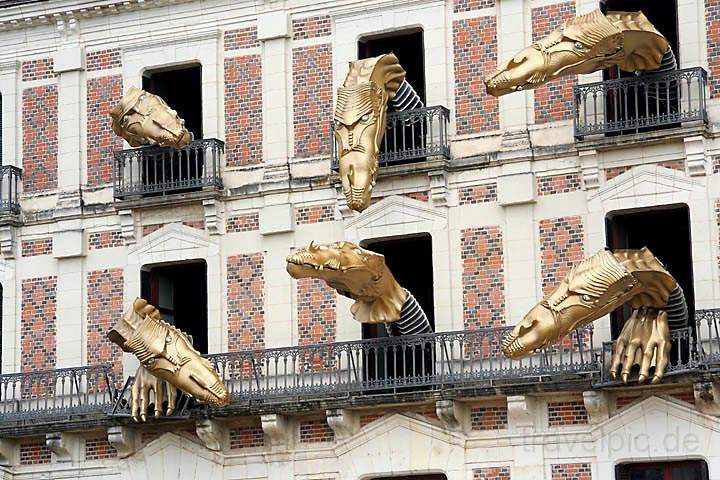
<point x="398" y="211"/>
<point x="174" y="237"/>
<point x="401" y="443"/>
<point x="647" y="181"/>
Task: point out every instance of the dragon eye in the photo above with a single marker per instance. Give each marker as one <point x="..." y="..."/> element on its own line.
<point x="365" y="118"/>
<point x="586" y="298"/>
<point x="579" y="45"/>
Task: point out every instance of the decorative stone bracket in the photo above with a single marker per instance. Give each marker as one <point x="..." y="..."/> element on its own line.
<point x="695" y="156"/>
<point x="707" y="397"/>
<point x="127" y="226"/>
<point x="212" y="433"/>
<point x="7" y="451"/>
<point x="7" y="241"/>
<point x="345" y="423"/>
<point x="522" y="412"/>
<point x="439" y="191"/>
<point x="450" y="413"/>
<point x="589" y="168"/>
<point x="65" y="446"/>
<point x="276" y="428"/>
<point x="597" y="406"/>
<point x="123" y="439"/>
<point x="214" y="216"/>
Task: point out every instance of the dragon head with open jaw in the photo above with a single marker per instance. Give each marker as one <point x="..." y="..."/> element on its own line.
<point x="356" y="273"/>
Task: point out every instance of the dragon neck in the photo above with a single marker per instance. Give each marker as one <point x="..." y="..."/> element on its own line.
<point x="384" y="305"/>
<point x="657" y="283"/>
<point x="643" y="45"/>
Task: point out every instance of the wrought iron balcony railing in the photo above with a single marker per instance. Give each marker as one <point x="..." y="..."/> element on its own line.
<point x="412" y="135"/>
<point x="10" y="177"/>
<point x="631" y="105"/>
<point x="55" y="396"/>
<point x="153" y="170"/>
<point x="707" y="323"/>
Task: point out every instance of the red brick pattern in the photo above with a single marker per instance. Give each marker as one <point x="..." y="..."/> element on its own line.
<point x="34" y="453"/>
<point x="467" y="5"/>
<point x="99" y="449"/>
<point x="561" y="246"/>
<point x="109" y="239"/>
<point x="712" y="25"/>
<point x="246" y="437"/>
<point x="475" y="55"/>
<point x="38" y="69"/>
<point x="622" y="401"/>
<point x="492" y="473"/>
<point x="478" y="194"/>
<point x="243" y="223"/>
<point x="243" y="110"/>
<point x="41" y="246"/>
<point x="316" y="317"/>
<point x="314" y="214"/>
<point x="555" y="184"/>
<point x="196" y="224"/>
<point x="569" y="412"/>
<point x="613" y="172"/>
<point x="40" y="142"/>
<point x="246" y="302"/>
<point x="241" y="38"/>
<point x="554" y="100"/>
<point x="625" y="400"/>
<point x="369" y="418"/>
<point x="571" y="471"/>
<point x="489" y="418"/>
<point x="687" y="396"/>
<point x="148" y="229"/>
<point x="38" y="330"/>
<point x="103" y="59"/>
<point x="312" y="27"/>
<point x="422" y="196"/>
<point x="316" y="431"/>
<point x="483" y="277"/>
<point x="312" y="99"/>
<point x="104" y="306"/>
<point x="103" y="93"/>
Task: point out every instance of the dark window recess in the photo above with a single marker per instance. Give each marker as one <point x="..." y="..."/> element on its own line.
<point x="684" y="470"/>
<point x="410" y="261"/>
<point x="179" y="291"/>
<point x="181" y="88"/>
<point x="638" y="101"/>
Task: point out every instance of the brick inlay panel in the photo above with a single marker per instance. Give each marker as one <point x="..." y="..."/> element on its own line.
<point x="567" y="412"/>
<point x="475" y="55"/>
<point x="40" y="142"/>
<point x="312" y="99"/>
<point x="561" y="247"/>
<point x="246" y="437"/>
<point x="103" y="93"/>
<point x="553" y="101"/>
<point x="571" y="471"/>
<point x="492" y="473"/>
<point x="34" y="453"/>
<point x="104" y="306"/>
<point x="108" y="239"/>
<point x="103" y="59"/>
<point x="243" y="110"/>
<point x="555" y="184"/>
<point x="311" y="27"/>
<point x="483" y="277"/>
<point x="369" y="418"/>
<point x="246" y="302"/>
<point x="241" y="38"/>
<point x="613" y="172"/>
<point x="243" y="223"/>
<point x="314" y="214"/>
<point x="489" y="418"/>
<point x="38" y="69"/>
<point x="316" y="431"/>
<point x="316" y="320"/>
<point x="478" y="194"/>
<point x="39" y="329"/>
<point x="41" y="246"/>
<point x="468" y="5"/>
<point x="712" y="26"/>
<point x="99" y="449"/>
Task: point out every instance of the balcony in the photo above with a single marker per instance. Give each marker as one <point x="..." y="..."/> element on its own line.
<point x="638" y="104"/>
<point x="157" y="171"/>
<point x="338" y="375"/>
<point x="10" y="177"/>
<point x="411" y="136"/>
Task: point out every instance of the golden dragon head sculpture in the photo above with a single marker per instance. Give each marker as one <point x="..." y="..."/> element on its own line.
<point x="360" y="120"/>
<point x="356" y="273"/>
<point x="595" y="287"/>
<point x="142" y="118"/>
<point x="585" y="44"/>
<point x="167" y="353"/>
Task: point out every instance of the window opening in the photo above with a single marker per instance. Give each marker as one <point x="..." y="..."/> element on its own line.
<point x="179" y="291"/>
<point x="681" y="470"/>
<point x="181" y="88"/>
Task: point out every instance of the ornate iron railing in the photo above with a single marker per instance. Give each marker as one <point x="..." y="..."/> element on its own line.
<point x="707" y="323"/>
<point x="412" y="135"/>
<point x="154" y="170"/>
<point x="391" y="366"/>
<point x="55" y="395"/>
<point x="10" y="177"/>
<point x="644" y="102"/>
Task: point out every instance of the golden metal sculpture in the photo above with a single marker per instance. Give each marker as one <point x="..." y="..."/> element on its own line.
<point x="356" y="273"/>
<point x="166" y="353"/>
<point x="595" y="287"/>
<point x="142" y="118"/>
<point x="585" y="44"/>
<point x="360" y="123"/>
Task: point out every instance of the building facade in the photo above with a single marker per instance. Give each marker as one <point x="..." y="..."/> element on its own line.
<point x="481" y="206"/>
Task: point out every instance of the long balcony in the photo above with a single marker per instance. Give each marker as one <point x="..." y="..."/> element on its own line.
<point x="641" y="103"/>
<point x="411" y="136"/>
<point x="337" y="375"/>
<point x="156" y="171"/>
